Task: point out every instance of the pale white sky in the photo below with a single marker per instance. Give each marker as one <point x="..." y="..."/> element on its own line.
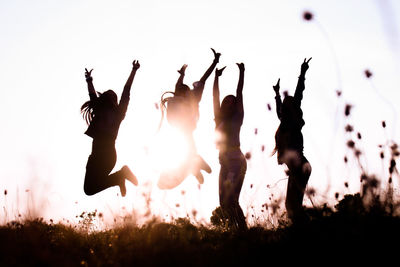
<point x="47" y="44"/>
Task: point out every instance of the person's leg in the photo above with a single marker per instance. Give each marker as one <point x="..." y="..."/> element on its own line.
<point x="224" y="192"/>
<point x="239" y="170"/>
<point x="298" y="179"/>
<point x="99" y="165"/>
<point x="234" y="171"/>
<point x="195" y="160"/>
<point x="97" y="176"/>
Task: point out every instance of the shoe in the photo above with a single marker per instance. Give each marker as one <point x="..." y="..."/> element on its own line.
<point x="128" y="174"/>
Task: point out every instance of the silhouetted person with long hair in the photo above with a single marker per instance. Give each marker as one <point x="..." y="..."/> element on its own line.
<point x="289" y="146"/>
<point x="183" y="113"/>
<point x="228" y="121"/>
<point x="104" y="115"/>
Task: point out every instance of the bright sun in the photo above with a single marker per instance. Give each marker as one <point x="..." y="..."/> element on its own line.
<point x="169" y="149"/>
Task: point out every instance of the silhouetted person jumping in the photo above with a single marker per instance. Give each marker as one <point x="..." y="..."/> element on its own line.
<point x="228" y="121"/>
<point x="289" y="146"/>
<point x="104" y="115"/>
<point x="183" y="113"/>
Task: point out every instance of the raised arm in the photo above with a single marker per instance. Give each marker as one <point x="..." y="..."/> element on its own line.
<point x="212" y="66"/>
<point x="278" y="99"/>
<point x="298" y="95"/>
<point x="123" y="103"/>
<point x="216" y="100"/>
<point x="89" y="81"/>
<point x="179" y="82"/>
<point x="239" y="90"/>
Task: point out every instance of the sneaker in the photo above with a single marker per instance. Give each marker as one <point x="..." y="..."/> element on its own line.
<point x="128" y="174"/>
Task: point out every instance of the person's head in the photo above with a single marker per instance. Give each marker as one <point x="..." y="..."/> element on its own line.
<point x="108" y="99"/>
<point x="228" y="106"/>
<point x="181" y="90"/>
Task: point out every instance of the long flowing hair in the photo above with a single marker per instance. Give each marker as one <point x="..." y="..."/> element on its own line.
<point x="88" y="110"/>
<point x="105" y="100"/>
<point x="163" y="105"/>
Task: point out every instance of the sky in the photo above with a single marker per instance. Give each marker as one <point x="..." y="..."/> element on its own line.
<point x="46" y="45"/>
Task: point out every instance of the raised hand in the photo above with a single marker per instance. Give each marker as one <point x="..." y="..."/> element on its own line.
<point x="277" y="86"/>
<point x="183" y="68"/>
<point x="241" y="66"/>
<point x="218" y="72"/>
<point x="135" y="64"/>
<point x="304" y="65"/>
<point x="216" y="55"/>
<point x="88" y="75"/>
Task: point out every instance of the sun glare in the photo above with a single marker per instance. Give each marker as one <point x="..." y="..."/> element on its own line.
<point x="169" y="149"/>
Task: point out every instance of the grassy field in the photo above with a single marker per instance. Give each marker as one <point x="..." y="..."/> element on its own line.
<point x="351" y="229"/>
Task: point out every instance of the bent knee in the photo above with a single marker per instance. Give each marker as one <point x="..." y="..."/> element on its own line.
<point x="89" y="190"/>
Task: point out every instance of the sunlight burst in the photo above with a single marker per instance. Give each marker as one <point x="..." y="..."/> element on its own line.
<point x="169" y="149"/>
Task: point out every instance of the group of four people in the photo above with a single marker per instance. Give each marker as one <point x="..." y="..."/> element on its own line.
<point x="104" y="114"/>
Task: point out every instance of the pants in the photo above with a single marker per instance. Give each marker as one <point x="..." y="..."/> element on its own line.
<point x="299" y="173"/>
<point x="99" y="165"/>
<point x="231" y="176"/>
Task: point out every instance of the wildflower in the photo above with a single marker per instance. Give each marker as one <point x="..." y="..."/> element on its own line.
<point x="347" y="109"/>
<point x="368" y="73"/>
<point x="392" y="166"/>
<point x="351" y="144"/>
<point x="373" y="182"/>
<point x="349" y="128"/>
<point x="307" y="15"/>
<point x="194" y="213"/>
<point x="363" y="177"/>
<point x="310" y="192"/>
<point x="247" y="155"/>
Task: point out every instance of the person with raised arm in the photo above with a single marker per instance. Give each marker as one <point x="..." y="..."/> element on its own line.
<point x="104" y="115"/>
<point x="289" y="145"/>
<point x="183" y="112"/>
<point x="228" y="121"/>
